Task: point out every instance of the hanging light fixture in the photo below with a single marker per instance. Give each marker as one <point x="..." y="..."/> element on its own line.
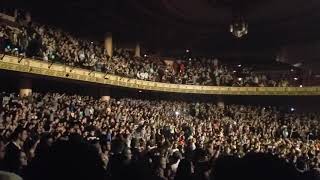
<point x="239" y="27"/>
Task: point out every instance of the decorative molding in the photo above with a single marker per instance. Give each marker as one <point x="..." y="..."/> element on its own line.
<point x="37" y="67"/>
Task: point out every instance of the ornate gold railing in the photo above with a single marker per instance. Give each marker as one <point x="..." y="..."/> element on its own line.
<point x="36" y="67"/>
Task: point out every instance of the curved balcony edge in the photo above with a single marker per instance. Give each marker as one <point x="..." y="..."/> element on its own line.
<point x="37" y="67"/>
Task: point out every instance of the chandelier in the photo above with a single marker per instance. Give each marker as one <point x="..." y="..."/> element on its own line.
<point x="239" y="27"/>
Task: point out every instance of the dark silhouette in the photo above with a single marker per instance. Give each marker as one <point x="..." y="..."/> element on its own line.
<point x="185" y="170"/>
<point x="11" y="161"/>
<point x="69" y="160"/>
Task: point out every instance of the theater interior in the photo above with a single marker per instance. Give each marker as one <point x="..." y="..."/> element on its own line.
<point x="161" y="89"/>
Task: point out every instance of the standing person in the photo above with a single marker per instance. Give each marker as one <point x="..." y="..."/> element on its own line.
<point x="13" y="152"/>
<point x="185" y="170"/>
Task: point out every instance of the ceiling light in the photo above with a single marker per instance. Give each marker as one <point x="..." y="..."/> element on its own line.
<point x="239" y="27"/>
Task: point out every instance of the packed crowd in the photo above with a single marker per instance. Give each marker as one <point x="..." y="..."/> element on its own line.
<point x="50" y="44"/>
<point x="171" y="139"/>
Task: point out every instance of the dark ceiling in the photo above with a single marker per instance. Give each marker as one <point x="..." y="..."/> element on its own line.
<point x="180" y="24"/>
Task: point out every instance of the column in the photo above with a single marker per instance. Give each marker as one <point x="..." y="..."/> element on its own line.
<point x="104" y="94"/>
<point x="220" y="102"/>
<point x="108" y="44"/>
<point x="25" y="86"/>
<point x="137" y="50"/>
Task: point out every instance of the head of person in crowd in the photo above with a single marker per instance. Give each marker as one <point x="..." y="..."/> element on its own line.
<point x="19" y="136"/>
<point x="44" y="145"/>
<point x="69" y="159"/>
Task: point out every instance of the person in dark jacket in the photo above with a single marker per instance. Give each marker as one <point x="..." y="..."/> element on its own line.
<point x="13" y="152"/>
<point x="185" y="170"/>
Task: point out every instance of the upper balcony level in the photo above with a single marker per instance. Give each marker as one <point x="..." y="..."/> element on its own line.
<point x="52" y="45"/>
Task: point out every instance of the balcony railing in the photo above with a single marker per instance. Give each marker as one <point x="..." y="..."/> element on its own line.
<point x="37" y="67"/>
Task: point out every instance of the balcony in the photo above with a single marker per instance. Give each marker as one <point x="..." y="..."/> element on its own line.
<point x="36" y="68"/>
